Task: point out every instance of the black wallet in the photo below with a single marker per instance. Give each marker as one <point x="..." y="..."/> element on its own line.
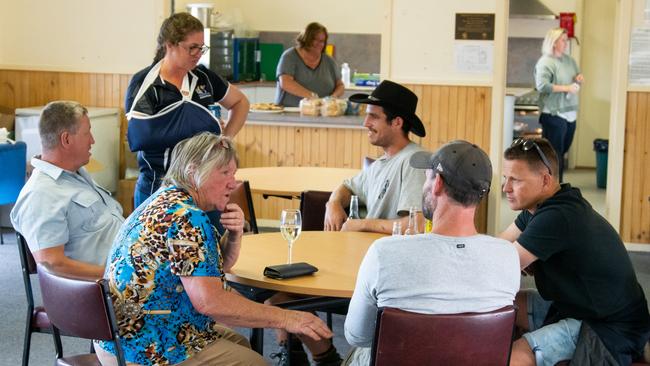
<point x="283" y="271"/>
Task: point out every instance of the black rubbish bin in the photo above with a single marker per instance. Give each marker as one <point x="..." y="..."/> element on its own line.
<point x="600" y="147"/>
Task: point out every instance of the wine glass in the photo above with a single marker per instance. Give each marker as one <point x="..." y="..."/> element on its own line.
<point x="290" y="227"/>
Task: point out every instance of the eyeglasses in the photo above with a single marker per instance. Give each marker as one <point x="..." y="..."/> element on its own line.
<point x="195" y="50"/>
<point x="527" y="145"/>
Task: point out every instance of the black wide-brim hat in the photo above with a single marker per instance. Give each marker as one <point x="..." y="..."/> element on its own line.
<point x="396" y="98"/>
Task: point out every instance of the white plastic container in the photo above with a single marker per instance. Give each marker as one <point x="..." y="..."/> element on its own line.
<point x="345" y="74"/>
<point x="105" y="127"/>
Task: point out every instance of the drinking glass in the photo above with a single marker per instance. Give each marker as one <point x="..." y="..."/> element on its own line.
<point x="412" y="228"/>
<point x="397" y="228"/>
<point x="290" y="227"/>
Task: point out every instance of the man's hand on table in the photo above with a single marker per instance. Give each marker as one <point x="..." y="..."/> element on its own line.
<point x="335" y="216"/>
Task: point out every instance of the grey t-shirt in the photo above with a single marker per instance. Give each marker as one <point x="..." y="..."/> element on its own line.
<point x="431" y="274"/>
<point x="389" y="186"/>
<point x="321" y="80"/>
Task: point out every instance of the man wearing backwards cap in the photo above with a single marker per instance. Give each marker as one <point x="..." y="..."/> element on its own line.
<point x="389" y="187"/>
<point x="427" y="273"/>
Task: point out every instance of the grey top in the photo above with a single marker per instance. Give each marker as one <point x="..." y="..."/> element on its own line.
<point x="431" y="274"/>
<point x="551" y="71"/>
<point x="58" y="207"/>
<point x="389" y="186"/>
<point x="321" y="80"/>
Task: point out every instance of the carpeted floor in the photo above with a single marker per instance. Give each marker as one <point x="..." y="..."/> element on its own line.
<point x="13" y="305"/>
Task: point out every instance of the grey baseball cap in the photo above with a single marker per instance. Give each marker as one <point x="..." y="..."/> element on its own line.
<point x="463" y="165"/>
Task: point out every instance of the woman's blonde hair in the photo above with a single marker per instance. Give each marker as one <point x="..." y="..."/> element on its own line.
<point x="552" y="36"/>
<point x="194" y="158"/>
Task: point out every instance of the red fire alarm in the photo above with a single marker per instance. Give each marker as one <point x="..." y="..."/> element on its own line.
<point x="567" y="21"/>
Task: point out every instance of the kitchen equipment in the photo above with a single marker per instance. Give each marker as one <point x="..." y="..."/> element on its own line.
<point x="527" y="115"/>
<point x="269" y="57"/>
<point x="246" y="65"/>
<point x="222" y="52"/>
<point x="201" y="11"/>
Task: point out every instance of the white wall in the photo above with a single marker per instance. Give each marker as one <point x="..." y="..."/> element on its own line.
<point x="339" y="16"/>
<point x="422" y="41"/>
<point x="116" y="36"/>
<point x="596" y="65"/>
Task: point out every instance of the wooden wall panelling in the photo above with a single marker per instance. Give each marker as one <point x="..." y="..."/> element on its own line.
<point x="22" y="88"/>
<point x="635" y="205"/>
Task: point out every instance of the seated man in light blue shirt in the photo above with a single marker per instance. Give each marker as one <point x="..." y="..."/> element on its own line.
<point x="68" y="221"/>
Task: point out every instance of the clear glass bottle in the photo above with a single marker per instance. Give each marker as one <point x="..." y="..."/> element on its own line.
<point x="412" y="227"/>
<point x="354" y="207"/>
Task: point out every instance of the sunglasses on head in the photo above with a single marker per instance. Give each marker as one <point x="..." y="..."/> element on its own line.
<point x="527" y="144"/>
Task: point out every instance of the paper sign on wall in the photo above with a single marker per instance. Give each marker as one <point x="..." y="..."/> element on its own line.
<point x="474" y="57"/>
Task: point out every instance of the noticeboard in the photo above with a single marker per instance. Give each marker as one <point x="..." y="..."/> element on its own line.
<point x="474" y="26"/>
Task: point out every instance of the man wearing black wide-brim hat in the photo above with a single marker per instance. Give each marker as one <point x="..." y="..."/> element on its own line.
<point x="389" y="187"/>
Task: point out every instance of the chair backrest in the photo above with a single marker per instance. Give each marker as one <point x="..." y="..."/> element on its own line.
<point x="80" y="307"/>
<point x="243" y="198"/>
<point x="312" y="207"/>
<point x="406" y="338"/>
<point x="367" y="162"/>
<point x="14" y="164"/>
<point x="28" y="265"/>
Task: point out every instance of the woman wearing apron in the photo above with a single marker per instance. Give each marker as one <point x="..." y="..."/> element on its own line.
<point x="167" y="101"/>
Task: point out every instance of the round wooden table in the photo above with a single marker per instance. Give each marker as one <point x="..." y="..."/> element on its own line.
<point x="337" y="255"/>
<point x="291" y="181"/>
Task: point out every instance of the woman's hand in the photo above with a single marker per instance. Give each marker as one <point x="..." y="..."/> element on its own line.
<point x="579" y="78"/>
<point x="232" y="218"/>
<point x="306" y="324"/>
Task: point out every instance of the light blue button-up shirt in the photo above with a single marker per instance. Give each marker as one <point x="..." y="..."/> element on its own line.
<point x="59" y="207"/>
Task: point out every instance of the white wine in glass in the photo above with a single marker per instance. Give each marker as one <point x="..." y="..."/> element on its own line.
<point x="290" y="227"/>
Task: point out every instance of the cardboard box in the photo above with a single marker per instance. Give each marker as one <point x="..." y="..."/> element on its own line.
<point x="7" y="118"/>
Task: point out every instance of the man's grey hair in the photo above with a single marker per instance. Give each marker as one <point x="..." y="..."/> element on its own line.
<point x="58" y="117"/>
<point x="549" y="41"/>
<point x="194" y="158"/>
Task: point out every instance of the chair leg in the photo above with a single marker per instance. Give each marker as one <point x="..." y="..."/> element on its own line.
<point x="58" y="346"/>
<point x="257" y="340"/>
<point x="28" y="338"/>
<point x="2" y="237"/>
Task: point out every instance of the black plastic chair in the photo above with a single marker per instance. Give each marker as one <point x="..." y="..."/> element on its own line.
<point x="312" y="208"/>
<point x="37" y="319"/>
<point x="80" y="307"/>
<point x="406" y="338"/>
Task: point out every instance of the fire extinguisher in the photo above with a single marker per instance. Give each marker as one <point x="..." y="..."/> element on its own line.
<point x="567" y="21"/>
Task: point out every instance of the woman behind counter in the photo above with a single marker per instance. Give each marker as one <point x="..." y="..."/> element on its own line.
<point x="305" y="71"/>
<point x="558" y="79"/>
<point x="167" y="101"/>
<point x="166" y="270"/>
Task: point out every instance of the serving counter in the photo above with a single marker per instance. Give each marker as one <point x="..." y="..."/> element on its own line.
<point x="294" y="119"/>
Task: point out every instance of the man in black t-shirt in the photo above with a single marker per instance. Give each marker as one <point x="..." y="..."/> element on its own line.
<point x="582" y="271"/>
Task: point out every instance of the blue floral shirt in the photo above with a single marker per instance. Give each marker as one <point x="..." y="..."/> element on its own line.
<point x="165" y="238"/>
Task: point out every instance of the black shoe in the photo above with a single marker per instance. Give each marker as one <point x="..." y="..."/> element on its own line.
<point x="297" y="355"/>
<point x="328" y="358"/>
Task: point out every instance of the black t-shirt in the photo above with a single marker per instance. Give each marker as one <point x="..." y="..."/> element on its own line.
<point x="584" y="269"/>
